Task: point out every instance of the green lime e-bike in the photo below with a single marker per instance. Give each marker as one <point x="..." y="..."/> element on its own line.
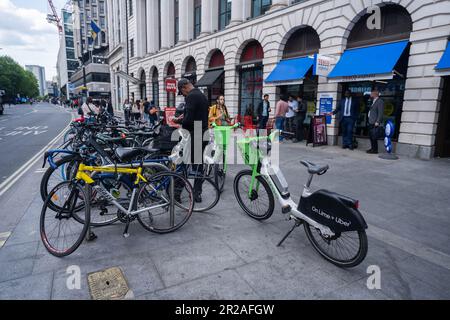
<point x="332" y="222"/>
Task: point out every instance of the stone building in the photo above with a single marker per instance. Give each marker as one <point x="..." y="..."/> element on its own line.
<point x="233" y="48"/>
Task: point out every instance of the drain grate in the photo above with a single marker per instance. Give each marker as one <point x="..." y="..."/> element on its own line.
<point x="109" y="284"/>
<point x="3" y="237"/>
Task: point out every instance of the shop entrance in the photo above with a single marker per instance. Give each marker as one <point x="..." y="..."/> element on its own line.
<point x="443" y="132"/>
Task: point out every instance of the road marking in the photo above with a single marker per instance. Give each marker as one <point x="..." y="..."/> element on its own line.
<point x="8" y="183"/>
<point x="3" y="237"/>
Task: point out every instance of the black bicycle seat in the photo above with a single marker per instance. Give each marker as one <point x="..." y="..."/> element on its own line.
<point x="314" y="168"/>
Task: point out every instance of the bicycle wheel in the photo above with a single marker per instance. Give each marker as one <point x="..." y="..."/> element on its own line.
<point x="220" y="176"/>
<point x="345" y="250"/>
<point x="167" y="202"/>
<point x="260" y="203"/>
<point x="60" y="229"/>
<point x="210" y="194"/>
<point x="65" y="170"/>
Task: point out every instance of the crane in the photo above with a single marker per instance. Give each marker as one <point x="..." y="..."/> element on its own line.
<point x="53" y="17"/>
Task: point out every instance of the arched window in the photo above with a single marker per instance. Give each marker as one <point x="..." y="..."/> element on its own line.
<point x="171" y="70"/>
<point x="143" y="86"/>
<point x="303" y="42"/>
<point x="396" y="25"/>
<point x="252" y="52"/>
<point x="217" y="60"/>
<point x="155" y="86"/>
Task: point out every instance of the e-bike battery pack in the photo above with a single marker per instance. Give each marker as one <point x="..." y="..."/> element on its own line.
<point x="279" y="180"/>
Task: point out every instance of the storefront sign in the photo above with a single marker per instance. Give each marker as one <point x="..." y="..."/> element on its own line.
<point x="322" y="65"/>
<point x="318" y="131"/>
<point x="326" y="106"/>
<point x="171" y="85"/>
<point x="367" y="77"/>
<point x="169" y="115"/>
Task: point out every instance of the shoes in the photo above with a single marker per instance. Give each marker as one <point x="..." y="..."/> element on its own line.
<point x="295" y="141"/>
<point x="351" y="148"/>
<point x="372" y="152"/>
<point x="344" y="147"/>
<point x="177" y="198"/>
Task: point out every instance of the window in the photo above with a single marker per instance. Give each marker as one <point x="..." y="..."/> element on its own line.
<point x="70" y="53"/>
<point x="101" y="6"/>
<point x="130" y="7"/>
<point x="177" y="21"/>
<point x="132" y="48"/>
<point x="303" y="42"/>
<point x="197" y="18"/>
<point x="224" y="13"/>
<point x="102" y="23"/>
<point x="260" y="7"/>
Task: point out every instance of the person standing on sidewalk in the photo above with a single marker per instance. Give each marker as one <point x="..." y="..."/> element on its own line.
<point x="348" y="112"/>
<point x="300" y="116"/>
<point x="280" y="114"/>
<point x="376" y="114"/>
<point x="263" y="113"/>
<point x="196" y="110"/>
<point x="293" y="106"/>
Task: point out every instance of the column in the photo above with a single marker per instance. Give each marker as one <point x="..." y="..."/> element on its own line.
<point x="167" y="24"/>
<point x="237" y="12"/>
<point x="279" y="4"/>
<point x="186" y="20"/>
<point x="152" y="26"/>
<point x="206" y="17"/>
<point x="141" y="28"/>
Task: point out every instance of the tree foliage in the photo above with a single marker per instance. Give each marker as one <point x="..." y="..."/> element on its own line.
<point x="16" y="80"/>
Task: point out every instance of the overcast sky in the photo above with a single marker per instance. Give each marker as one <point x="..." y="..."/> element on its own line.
<point x="25" y="34"/>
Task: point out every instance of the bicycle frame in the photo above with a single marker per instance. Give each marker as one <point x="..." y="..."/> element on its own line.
<point x="262" y="168"/>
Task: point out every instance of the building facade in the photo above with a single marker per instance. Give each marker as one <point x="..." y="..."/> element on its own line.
<point x="67" y="60"/>
<point x="93" y="76"/>
<point x="233" y="47"/>
<point x="39" y="73"/>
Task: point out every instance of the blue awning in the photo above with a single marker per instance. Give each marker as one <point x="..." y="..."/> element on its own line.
<point x="291" y="70"/>
<point x="369" y="63"/>
<point x="444" y="64"/>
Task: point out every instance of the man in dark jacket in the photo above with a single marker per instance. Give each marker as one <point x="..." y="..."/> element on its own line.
<point x="196" y="111"/>
<point x="376" y="114"/>
<point x="348" y="113"/>
<point x="263" y="112"/>
<point x="299" y="120"/>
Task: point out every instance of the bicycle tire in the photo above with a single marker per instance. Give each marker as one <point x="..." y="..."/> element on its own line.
<point x="220" y="176"/>
<point x="249" y="211"/>
<point x="350" y="263"/>
<point x="46" y="208"/>
<point x="44" y="188"/>
<point x="155" y="179"/>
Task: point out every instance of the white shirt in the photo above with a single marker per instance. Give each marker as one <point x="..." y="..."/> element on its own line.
<point x="348" y="107"/>
<point x="293" y="105"/>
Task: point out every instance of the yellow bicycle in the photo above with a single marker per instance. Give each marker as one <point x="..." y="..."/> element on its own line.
<point x="161" y="202"/>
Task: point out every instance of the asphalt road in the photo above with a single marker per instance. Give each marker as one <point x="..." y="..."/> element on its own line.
<point x="25" y="130"/>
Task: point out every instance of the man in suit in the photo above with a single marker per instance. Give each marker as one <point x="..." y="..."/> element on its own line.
<point x="263" y="112"/>
<point x="376" y="114"/>
<point x="348" y="112"/>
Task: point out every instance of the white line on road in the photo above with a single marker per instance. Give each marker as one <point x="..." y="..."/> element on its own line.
<point x="8" y="183"/>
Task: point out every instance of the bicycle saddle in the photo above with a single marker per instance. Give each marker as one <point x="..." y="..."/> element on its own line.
<point x="315" y="169"/>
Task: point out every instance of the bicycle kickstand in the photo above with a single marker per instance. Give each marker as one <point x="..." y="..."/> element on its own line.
<point x="125" y="232"/>
<point x="297" y="224"/>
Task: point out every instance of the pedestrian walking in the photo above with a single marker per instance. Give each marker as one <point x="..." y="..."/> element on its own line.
<point x="280" y="114"/>
<point x="89" y="109"/>
<point x="127" y="110"/>
<point x="263" y="112"/>
<point x="136" y="110"/>
<point x="299" y="120"/>
<point x="348" y="113"/>
<point x="153" y="113"/>
<point x="376" y="114"/>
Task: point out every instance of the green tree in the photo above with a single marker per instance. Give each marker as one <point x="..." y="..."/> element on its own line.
<point x="16" y="80"/>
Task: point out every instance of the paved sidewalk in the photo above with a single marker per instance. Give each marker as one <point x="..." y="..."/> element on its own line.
<point x="226" y="255"/>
